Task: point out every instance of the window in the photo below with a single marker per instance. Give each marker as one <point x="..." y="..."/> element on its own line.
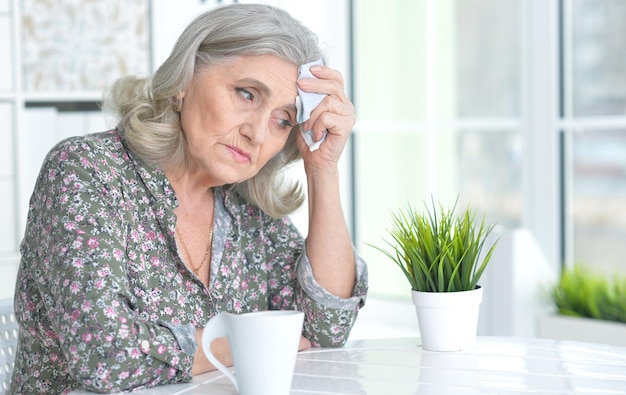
<point x="518" y="107"/>
<point x="593" y="115"/>
<point x="438" y="94"/>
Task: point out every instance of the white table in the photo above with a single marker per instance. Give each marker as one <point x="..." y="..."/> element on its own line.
<point x="400" y="366"/>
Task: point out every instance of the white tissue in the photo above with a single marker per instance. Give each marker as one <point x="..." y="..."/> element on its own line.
<point x="306" y="103"/>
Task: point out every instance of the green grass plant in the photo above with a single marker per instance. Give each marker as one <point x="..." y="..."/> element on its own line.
<point x="437" y="250"/>
<point x="579" y="292"/>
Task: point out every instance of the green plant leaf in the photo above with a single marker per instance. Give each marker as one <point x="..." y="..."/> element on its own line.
<point x="437" y="250"/>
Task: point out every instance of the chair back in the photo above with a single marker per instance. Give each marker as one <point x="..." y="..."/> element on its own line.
<point x="8" y="343"/>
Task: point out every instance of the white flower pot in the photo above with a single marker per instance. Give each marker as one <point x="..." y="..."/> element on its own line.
<point x="448" y="321"/>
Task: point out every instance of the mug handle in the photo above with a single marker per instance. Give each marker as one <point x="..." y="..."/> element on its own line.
<point x="216" y="327"/>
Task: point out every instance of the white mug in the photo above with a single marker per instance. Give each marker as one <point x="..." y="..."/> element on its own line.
<point x="264" y="346"/>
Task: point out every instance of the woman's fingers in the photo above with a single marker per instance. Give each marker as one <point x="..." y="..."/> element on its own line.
<point x="305" y="344"/>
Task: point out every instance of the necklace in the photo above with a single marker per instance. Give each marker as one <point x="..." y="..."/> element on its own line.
<point x="194" y="269"/>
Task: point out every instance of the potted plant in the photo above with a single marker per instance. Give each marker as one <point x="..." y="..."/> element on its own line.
<point x="589" y="307"/>
<point x="440" y="253"/>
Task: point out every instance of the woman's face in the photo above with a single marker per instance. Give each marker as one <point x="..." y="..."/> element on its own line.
<point x="237" y="115"/>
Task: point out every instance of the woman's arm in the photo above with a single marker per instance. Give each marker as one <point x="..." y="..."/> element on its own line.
<point x="332" y="279"/>
<point x="76" y="238"/>
<point x="328" y="246"/>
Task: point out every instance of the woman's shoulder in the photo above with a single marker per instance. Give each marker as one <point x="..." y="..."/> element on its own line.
<point x="96" y="155"/>
<point x="105" y="143"/>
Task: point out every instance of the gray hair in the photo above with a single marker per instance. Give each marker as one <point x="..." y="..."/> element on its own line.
<point x="146" y="108"/>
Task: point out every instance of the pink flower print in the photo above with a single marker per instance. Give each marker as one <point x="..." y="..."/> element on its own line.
<point x="104" y="272"/>
<point x="238" y="306"/>
<point x="134" y="236"/>
<point x="92" y="243"/>
<point x="70" y="226"/>
<point x="99" y="284"/>
<point x="110" y="312"/>
<point x="78" y="262"/>
<point x="87" y="306"/>
<point x="117" y="254"/>
<point x="75" y="287"/>
<point x="135" y="353"/>
<point x="161" y="349"/>
<point x="87" y="337"/>
<point x="156" y="262"/>
<point x="160" y="213"/>
<point x="75" y="315"/>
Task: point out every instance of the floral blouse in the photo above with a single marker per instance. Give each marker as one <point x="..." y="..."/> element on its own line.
<point x="103" y="299"/>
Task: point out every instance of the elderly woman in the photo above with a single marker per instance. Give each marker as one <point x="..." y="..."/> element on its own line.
<point x="137" y="236"/>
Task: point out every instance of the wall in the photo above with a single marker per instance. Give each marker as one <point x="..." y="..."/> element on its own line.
<point x="55" y="60"/>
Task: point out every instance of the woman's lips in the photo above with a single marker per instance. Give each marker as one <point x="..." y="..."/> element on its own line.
<point x="238" y="154"/>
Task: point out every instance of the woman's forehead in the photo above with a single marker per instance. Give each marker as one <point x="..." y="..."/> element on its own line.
<point x="270" y="74"/>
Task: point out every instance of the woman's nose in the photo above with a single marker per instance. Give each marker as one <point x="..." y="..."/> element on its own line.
<point x="255" y="129"/>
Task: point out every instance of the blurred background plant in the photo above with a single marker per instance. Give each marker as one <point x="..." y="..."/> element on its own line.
<point x="580" y="292"/>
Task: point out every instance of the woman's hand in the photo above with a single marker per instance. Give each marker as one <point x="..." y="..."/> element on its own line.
<point x="335" y="114"/>
<point x="305" y="344"/>
<point x="220" y="349"/>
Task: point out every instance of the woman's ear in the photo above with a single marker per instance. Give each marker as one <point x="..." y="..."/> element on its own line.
<point x="178" y="101"/>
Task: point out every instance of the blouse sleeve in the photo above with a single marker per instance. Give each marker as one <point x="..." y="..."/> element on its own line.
<point x="328" y="318"/>
<point x="75" y="237"/>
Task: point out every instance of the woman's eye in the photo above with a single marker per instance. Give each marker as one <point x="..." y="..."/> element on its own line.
<point x="285" y="123"/>
<point x="246" y="94"/>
